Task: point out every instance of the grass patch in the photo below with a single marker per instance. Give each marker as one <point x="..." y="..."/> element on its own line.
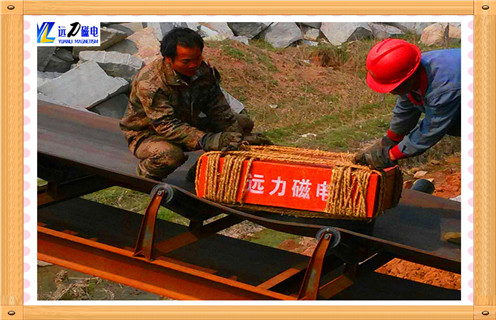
<point x="131" y="200"/>
<point x="271" y="238"/>
<point x="235" y="53"/>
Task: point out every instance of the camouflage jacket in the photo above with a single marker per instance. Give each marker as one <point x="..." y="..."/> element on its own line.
<point x="161" y="103"/>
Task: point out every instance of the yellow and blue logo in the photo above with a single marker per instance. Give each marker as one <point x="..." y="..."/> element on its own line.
<point x="44" y="31"/>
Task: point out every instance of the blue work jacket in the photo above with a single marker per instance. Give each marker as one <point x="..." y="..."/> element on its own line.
<point x="441" y="104"/>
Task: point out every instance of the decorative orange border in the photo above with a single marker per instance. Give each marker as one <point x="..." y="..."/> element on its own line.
<point x="11" y="161"/>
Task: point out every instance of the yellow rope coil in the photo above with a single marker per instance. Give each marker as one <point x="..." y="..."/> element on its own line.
<point x="347" y="190"/>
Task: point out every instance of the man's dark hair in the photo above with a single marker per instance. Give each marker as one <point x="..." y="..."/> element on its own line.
<point x="179" y="36"/>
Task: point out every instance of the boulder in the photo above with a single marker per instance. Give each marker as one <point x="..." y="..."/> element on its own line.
<point x="241" y="39"/>
<point x="435" y="34"/>
<point x="193" y="26"/>
<point x="44" y="56"/>
<point x="220" y="27"/>
<point x="248" y="29"/>
<point x="108" y="37"/>
<point x="124" y="46"/>
<point x="127" y="28"/>
<point x="206" y="31"/>
<point x="160" y="29"/>
<point x="115" y="64"/>
<point x="83" y="87"/>
<point x="413" y="27"/>
<point x="338" y="33"/>
<point x="309" y="33"/>
<point x="382" y="31"/>
<point x="311" y="43"/>
<point x="282" y="34"/>
<point x="315" y="25"/>
<point x="114" y="107"/>
<point x="147" y="44"/>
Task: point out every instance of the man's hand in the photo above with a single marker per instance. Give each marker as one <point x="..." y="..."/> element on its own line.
<point x="387" y="142"/>
<point x="376" y="156"/>
<point x="222" y="141"/>
<point x="257" y="139"/>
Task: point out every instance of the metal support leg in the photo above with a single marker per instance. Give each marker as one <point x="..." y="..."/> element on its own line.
<point x="146" y="235"/>
<point x="327" y="237"/>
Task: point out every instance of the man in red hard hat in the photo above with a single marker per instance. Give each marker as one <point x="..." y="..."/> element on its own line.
<point x="427" y="83"/>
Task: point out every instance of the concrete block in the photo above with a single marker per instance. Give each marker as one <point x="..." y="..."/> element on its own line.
<point x="84" y="86"/>
<point x="115" y="64"/>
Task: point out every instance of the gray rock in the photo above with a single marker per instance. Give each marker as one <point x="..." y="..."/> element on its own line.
<point x="193" y="26"/>
<point x="414" y="27"/>
<point x="48" y="99"/>
<point x="234" y="103"/>
<point x="114" y="107"/>
<point x="282" y="34"/>
<point x="44" y="77"/>
<point x="160" y="29"/>
<point x="383" y="31"/>
<point x="248" y="29"/>
<point x="309" y="33"/>
<point x="108" y="37"/>
<point x="58" y="65"/>
<point x="44" y="56"/>
<point x="241" y="39"/>
<point x="311" y="43"/>
<point x="338" y="32"/>
<point x="64" y="54"/>
<point x="49" y="75"/>
<point x="42" y="81"/>
<point x="124" y="46"/>
<point x="206" y="31"/>
<point x="220" y="27"/>
<point x="128" y="28"/>
<point x="315" y="25"/>
<point x="216" y="37"/>
<point x="115" y="64"/>
<point x="83" y="87"/>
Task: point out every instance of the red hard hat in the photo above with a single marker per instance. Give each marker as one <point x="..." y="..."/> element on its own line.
<point x="390" y="62"/>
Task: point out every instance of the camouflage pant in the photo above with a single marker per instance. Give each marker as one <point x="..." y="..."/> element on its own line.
<point x="159" y="157"/>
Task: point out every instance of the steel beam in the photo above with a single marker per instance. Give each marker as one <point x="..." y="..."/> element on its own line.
<point x="160" y="276"/>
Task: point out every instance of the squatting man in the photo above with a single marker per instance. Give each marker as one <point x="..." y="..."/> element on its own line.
<point x="428" y="83"/>
<point x="176" y="105"/>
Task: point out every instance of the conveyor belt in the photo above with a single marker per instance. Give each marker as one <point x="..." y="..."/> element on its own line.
<point x="413" y="230"/>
